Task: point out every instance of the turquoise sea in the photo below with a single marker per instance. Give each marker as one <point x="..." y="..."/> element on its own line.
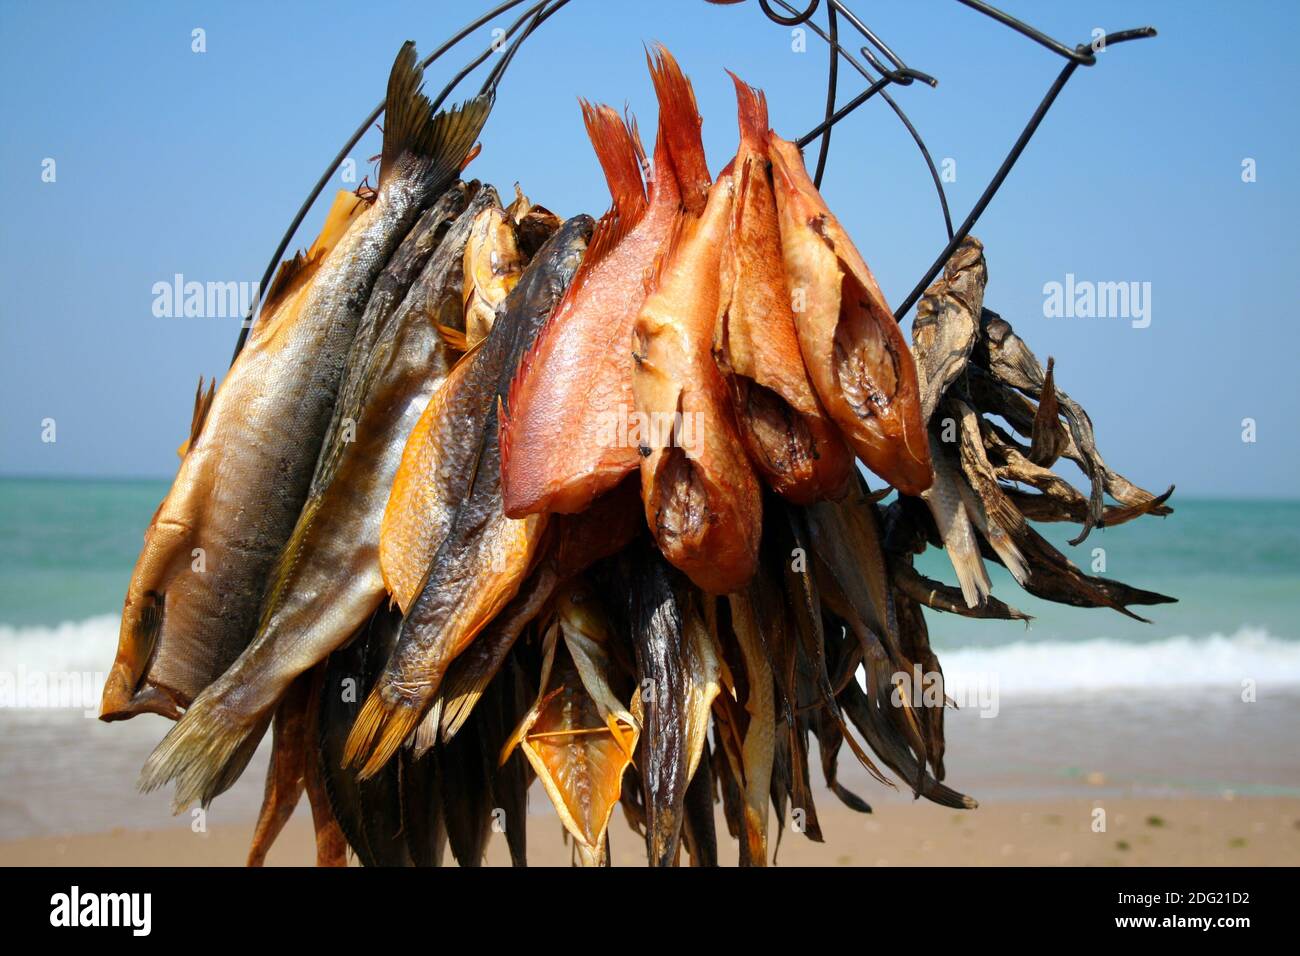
<point x="1155" y="709"/>
<point x="67" y="548"/>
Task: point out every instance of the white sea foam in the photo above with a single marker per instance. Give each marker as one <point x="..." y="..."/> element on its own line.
<point x="1102" y="664"/>
<point x="86" y="645"/>
<point x="1020" y="667"/>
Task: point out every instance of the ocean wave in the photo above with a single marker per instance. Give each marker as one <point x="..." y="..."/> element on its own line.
<point x="1102" y="664"/>
<point x="1018" y="667"/>
<point x="87" y="645"/>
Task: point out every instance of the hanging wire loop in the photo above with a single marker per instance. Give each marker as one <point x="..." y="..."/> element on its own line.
<point x="876" y="62"/>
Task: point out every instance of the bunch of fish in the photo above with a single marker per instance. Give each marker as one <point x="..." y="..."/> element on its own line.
<point x="488" y="497"/>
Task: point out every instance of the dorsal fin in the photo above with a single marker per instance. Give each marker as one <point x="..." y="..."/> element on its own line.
<point x="343" y="211"/>
<point x="619" y="155"/>
<point x="413" y="133"/>
<point x="202" y="404"/>
<point x="679" y="128"/>
<point x="285" y="279"/>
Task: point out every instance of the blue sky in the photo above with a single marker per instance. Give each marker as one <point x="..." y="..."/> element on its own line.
<point x="172" y="161"/>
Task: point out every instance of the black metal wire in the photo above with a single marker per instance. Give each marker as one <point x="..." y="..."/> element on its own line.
<point x="901" y="74"/>
<point x="897" y="72"/>
<point x="1000" y="176"/>
<point x="342" y="154"/>
<point x="793" y="21"/>
<point x="832" y="47"/>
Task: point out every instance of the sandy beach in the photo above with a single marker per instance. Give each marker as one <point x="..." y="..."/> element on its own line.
<point x="1195" y="781"/>
<point x="1258" y="831"/>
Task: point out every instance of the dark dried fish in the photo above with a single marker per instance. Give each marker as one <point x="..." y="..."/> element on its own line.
<point x="947" y="323"/>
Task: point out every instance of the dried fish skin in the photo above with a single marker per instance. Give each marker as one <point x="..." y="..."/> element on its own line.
<point x="486" y="556"/>
<point x="947" y="320"/>
<point x="855" y="355"/>
<point x="791" y="442"/>
<point x="247" y="475"/>
<point x="397" y="360"/>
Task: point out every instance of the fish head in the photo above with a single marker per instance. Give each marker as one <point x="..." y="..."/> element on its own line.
<point x="167" y="545"/>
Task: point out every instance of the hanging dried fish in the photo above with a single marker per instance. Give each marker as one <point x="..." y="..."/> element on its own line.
<point x="855" y="355"/>
<point x="486" y="556"/>
<point x="791" y="442"/>
<point x="947" y="323"/>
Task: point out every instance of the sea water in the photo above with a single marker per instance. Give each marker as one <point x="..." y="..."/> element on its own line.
<point x="67" y="548"/>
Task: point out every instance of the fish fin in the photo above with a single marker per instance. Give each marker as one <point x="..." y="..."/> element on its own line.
<point x="410" y="126"/>
<point x="454" y="338"/>
<point x="378" y="732"/>
<point x="637" y="144"/>
<point x="614" y="141"/>
<point x="293" y="272"/>
<point x="286" y="279"/>
<point x="679" y="126"/>
<point x="751" y="115"/>
<point x="426" y="732"/>
<point x="471" y="156"/>
<point x="202" y="403"/>
<point x="972" y="576"/>
<point x="204" y="753"/>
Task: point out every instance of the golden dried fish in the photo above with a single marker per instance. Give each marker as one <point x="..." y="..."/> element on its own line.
<point x="790" y="441"/>
<point x="397" y="361"/>
<point x="579" y="737"/>
<point x="855" y="355"/>
<point x="434" y="474"/>
<point x="199" y="520"/>
<point x="486" y="556"/>
<point x="567" y="437"/>
<point x="577" y="542"/>
<point x="702" y="500"/>
<point x="493" y="265"/>
<point x="193" y="601"/>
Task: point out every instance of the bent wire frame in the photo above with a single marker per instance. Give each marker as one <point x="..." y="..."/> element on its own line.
<point x="878" y="65"/>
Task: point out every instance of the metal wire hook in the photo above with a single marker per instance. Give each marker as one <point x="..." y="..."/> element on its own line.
<point x="793" y="21"/>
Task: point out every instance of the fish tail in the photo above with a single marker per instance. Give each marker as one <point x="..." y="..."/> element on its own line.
<point x="379" y="730"/>
<point x="204" y="753"/>
<point x="971" y="575"/>
<point x="619" y="153"/>
<point x="1011" y="556"/>
<point x="411" y="130"/>
<point x="679" y="127"/>
<point x="751" y="114"/>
